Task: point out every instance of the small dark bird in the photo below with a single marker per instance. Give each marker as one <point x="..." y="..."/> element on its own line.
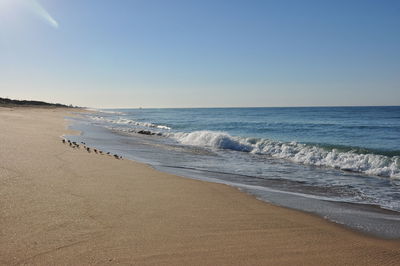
<point x="88" y="149"/>
<point x="95" y="150"/>
<point x="108" y="153"/>
<point x="120" y="157"/>
<point x="116" y="156"/>
<point x="63" y="141"/>
<point x="101" y="152"/>
<point x="77" y="145"/>
<point x="70" y="144"/>
<point x="83" y="143"/>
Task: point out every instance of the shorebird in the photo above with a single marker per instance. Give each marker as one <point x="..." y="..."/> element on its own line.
<point x="95" y="150"/>
<point x="108" y="153"/>
<point x="88" y="149"/>
<point x="63" y="141"/>
<point x="116" y="156"/>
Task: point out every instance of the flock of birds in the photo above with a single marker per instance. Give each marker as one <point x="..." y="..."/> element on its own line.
<point x="74" y="145"/>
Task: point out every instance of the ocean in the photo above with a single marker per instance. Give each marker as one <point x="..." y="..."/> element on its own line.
<point x="341" y="163"/>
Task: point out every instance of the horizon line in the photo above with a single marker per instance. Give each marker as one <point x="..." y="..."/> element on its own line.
<point x="239" y="107"/>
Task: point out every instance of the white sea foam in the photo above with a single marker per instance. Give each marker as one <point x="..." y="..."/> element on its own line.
<point x="124" y="121"/>
<point x="212" y="139"/>
<point x="371" y="164"/>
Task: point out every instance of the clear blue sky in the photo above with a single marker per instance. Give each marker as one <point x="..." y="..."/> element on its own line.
<point x="166" y="53"/>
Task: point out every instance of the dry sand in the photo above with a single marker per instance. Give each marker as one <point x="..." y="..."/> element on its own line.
<point x="60" y="205"/>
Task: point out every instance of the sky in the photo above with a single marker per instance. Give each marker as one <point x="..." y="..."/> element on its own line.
<point x="187" y="53"/>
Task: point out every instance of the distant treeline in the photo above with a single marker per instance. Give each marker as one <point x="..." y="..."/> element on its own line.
<point x="9" y="102"/>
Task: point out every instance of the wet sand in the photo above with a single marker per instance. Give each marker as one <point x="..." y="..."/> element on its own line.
<point x="60" y="205"/>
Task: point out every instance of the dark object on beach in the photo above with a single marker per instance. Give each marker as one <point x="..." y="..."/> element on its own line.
<point x="145" y="132"/>
<point x="69" y="141"/>
<point x="63" y="141"/>
<point x="88" y="149"/>
<point x="83" y="143"/>
<point x="77" y="145"/>
<point x="101" y="152"/>
<point x="95" y="150"/>
<point x="116" y="156"/>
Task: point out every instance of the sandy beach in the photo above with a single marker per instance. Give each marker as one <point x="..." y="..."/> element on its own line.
<point x="65" y="206"/>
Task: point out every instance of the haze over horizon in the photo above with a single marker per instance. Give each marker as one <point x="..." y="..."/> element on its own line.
<point x="157" y="53"/>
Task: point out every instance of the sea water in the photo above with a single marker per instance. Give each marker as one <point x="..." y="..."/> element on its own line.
<point x="342" y="163"/>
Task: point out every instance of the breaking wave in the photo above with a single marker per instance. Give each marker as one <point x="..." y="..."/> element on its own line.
<point x="124" y="121"/>
<point x="351" y="159"/>
<point x="371" y="164"/>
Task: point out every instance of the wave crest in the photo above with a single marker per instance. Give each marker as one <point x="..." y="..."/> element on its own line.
<point x="124" y="121"/>
<point x="219" y="140"/>
<point x="371" y="164"/>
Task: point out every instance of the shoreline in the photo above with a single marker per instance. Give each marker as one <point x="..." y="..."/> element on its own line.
<point x="355" y="214"/>
<point x="66" y="206"/>
<point x="360" y="212"/>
